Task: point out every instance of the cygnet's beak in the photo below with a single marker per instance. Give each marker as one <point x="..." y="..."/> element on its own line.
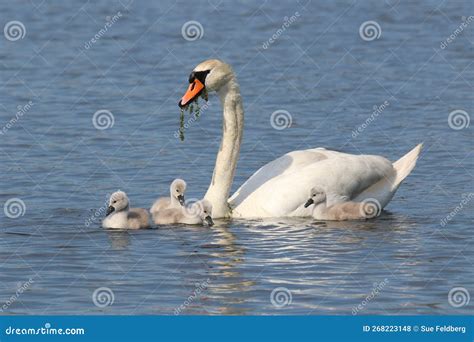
<point x="209" y="221"/>
<point x="308" y="203"/>
<point x="110" y="210"/>
<point x="181" y="199"/>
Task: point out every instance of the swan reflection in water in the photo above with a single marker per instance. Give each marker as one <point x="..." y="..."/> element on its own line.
<point x="238" y="262"/>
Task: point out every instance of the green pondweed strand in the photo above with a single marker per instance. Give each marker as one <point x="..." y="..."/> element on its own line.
<point x="194" y="109"/>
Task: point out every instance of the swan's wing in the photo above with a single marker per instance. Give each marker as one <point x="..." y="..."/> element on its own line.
<point x="343" y="176"/>
<point x="384" y="189"/>
<point x="285" y="164"/>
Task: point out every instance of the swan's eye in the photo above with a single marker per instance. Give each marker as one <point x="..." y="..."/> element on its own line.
<point x="314" y="195"/>
<point x="114" y="202"/>
<point x="177" y="190"/>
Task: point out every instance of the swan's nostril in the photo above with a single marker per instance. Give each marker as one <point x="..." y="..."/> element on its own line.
<point x="193" y="85"/>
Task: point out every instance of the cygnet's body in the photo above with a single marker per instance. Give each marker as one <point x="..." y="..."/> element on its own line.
<point x="120" y="216"/>
<point x="199" y="213"/>
<point x="340" y="211"/>
<point x="176" y="199"/>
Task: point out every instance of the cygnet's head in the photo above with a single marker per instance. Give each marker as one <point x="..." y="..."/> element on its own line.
<point x="118" y="202"/>
<point x="177" y="190"/>
<point x="203" y="209"/>
<point x="316" y="195"/>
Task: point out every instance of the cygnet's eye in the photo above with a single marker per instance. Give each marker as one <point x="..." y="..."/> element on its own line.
<point x="177" y="190"/>
<point x="314" y="195"/>
<point x="114" y="201"/>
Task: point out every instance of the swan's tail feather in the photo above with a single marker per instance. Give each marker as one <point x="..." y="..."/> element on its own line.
<point x="405" y="165"/>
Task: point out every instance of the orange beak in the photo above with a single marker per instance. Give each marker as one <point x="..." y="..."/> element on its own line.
<point x="193" y="91"/>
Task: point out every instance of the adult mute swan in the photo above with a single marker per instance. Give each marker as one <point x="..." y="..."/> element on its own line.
<point x="280" y="187"/>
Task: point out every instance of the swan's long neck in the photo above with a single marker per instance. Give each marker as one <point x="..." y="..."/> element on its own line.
<point x="226" y="161"/>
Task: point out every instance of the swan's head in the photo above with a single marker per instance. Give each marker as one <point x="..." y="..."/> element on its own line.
<point x="316" y="195"/>
<point x="118" y="202"/>
<point x="205" y="212"/>
<point x="177" y="190"/>
<point x="210" y="75"/>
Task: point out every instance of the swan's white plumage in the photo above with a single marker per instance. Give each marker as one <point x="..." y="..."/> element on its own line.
<point x="280" y="187"/>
